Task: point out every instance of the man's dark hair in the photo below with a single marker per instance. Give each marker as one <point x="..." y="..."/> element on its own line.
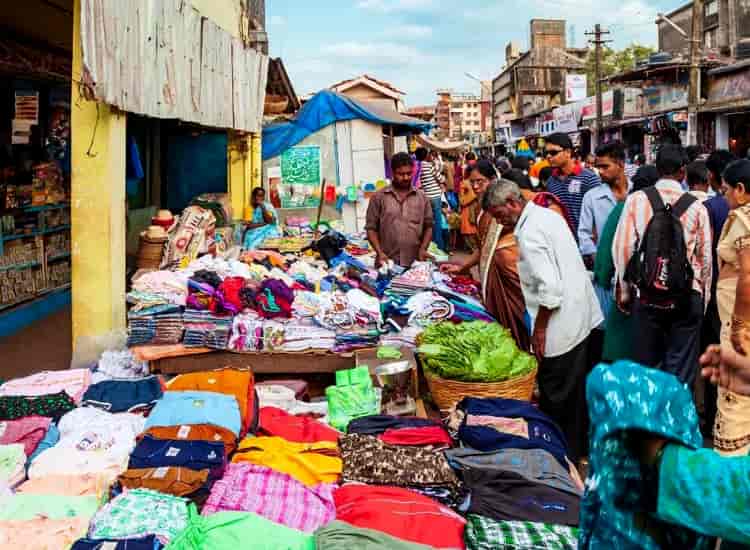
<point x="545" y="174"/>
<point x="519" y="178"/>
<point x="718" y="161"/>
<point x="257" y="191"/>
<point x="738" y="172"/>
<point x="692" y="152"/>
<point x="520" y="163"/>
<point x="561" y="140"/>
<point x="421" y="153"/>
<point x="471" y="155"/>
<point x="670" y="159"/>
<point x="696" y="173"/>
<point x="614" y="150"/>
<point x="399" y="160"/>
<point x="646" y="176"/>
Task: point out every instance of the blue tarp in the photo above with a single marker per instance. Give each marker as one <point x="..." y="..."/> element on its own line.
<point x="327" y="107"/>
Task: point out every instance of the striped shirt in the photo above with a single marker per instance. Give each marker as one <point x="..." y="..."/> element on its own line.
<point x="695" y="223"/>
<point x="571" y="189"/>
<point x="429" y="181"/>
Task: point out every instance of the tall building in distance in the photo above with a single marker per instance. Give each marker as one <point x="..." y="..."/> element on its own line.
<point x="463" y="117"/>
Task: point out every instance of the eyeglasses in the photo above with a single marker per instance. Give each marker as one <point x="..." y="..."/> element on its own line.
<point x="552" y="152"/>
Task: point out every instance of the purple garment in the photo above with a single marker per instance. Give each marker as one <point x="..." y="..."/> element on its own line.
<point x="278" y="497"/>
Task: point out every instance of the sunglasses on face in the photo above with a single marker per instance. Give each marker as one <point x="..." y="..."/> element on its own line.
<point x="553" y="152"/>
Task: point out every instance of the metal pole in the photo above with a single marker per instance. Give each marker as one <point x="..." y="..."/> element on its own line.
<point x="695" y="72"/>
<point x="598" y="76"/>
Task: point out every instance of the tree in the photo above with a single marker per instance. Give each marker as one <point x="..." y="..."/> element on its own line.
<point x="613" y="62"/>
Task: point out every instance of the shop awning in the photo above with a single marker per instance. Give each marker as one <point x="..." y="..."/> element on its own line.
<point x="442" y="146"/>
<point x="327" y="107"/>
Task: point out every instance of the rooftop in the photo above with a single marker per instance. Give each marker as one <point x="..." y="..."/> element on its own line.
<point x="382" y="83"/>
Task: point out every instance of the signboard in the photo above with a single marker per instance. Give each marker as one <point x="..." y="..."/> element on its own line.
<point x="300" y="177"/>
<point x="575" y="87"/>
<point x="566" y="118"/>
<point x="588" y="111"/>
<point x="664" y="97"/>
<point x="632" y="103"/>
<point x="729" y="87"/>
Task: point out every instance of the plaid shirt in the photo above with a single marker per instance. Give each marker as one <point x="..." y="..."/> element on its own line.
<point x="695" y="223"/>
<point x="486" y="534"/>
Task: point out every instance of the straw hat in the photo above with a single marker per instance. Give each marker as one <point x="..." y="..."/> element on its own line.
<point x="155" y="232"/>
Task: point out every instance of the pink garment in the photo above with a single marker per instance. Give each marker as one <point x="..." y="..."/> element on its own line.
<point x="74" y="382"/>
<point x="278" y="497"/>
<point x="42" y="533"/>
<point x="513" y="426"/>
<point x="72" y="485"/>
<point x="27" y="431"/>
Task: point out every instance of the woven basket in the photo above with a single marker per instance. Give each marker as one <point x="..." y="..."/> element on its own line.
<point x="150" y="252"/>
<point x="275" y="104"/>
<point x="446" y="393"/>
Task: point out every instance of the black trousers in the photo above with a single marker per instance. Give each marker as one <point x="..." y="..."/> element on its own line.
<point x="670" y="340"/>
<point x="562" y="395"/>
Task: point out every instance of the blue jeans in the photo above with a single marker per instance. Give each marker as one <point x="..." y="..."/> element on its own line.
<point x="437" y="228"/>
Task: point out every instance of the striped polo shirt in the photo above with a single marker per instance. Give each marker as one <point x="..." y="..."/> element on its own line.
<point x="429" y="181"/>
<point x="571" y="189"/>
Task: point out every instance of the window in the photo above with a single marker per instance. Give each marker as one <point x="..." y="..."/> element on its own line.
<point x="710" y="38"/>
<point x="711" y="8"/>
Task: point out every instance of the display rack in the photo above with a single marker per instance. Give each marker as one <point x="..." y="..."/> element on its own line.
<point x="35" y="253"/>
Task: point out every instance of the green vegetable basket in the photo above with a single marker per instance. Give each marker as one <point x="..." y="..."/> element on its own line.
<point x="446" y="393"/>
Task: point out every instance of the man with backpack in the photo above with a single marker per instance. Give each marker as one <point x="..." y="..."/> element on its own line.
<point x="662" y="254"/>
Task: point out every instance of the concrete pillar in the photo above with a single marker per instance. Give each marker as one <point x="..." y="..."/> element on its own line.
<point x="722" y="132"/>
<point x="98" y="135"/>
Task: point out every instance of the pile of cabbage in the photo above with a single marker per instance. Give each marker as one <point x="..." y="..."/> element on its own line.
<point x="473" y="352"/>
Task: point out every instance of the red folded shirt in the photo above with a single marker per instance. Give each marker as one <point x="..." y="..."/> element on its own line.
<point x="400" y="513"/>
<point x="428" y="435"/>
<point x="298" y="429"/>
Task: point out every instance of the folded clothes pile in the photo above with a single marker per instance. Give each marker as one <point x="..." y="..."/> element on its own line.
<point x="204" y="329"/>
<point x="156" y="328"/>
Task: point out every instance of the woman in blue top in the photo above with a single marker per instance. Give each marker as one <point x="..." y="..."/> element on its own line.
<point x="264" y="224"/>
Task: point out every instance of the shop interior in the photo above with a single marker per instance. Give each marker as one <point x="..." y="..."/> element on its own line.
<point x="739" y="134"/>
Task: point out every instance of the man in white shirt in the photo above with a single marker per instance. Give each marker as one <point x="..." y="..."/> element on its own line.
<point x="561" y="301"/>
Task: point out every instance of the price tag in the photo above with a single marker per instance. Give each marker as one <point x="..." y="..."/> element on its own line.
<point x="173" y="451"/>
<point x="183" y="432"/>
<point x="161" y="473"/>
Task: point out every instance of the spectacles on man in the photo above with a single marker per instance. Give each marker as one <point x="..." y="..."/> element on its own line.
<point x="552" y="152"/>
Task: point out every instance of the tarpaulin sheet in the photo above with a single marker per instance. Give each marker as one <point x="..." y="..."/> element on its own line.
<point x="327" y="107"/>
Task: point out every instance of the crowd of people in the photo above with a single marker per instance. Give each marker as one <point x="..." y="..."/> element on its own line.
<point x="600" y="261"/>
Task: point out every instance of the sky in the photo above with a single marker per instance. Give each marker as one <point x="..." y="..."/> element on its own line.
<point x="420" y="46"/>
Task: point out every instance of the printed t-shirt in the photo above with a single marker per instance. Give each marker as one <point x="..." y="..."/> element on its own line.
<point x="196" y="455"/>
<point x="144" y="543"/>
<point x="309" y="463"/>
<point x="195" y="432"/>
<point x="54" y="405"/>
<point x="177" y="408"/>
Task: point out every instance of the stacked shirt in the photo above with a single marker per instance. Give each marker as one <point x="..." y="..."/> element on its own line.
<point x="206" y="329"/>
<point x="155" y="328"/>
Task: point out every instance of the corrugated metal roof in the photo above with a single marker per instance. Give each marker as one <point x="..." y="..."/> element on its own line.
<point x="161" y="58"/>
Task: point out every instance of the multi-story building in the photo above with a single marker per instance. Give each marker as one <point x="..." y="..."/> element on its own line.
<point x="463" y="116"/>
<point x="533" y="81"/>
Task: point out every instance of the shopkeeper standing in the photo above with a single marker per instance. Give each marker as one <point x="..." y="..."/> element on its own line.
<point x="399" y="218"/>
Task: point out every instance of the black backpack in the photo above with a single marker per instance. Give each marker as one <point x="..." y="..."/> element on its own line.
<point x="659" y="268"/>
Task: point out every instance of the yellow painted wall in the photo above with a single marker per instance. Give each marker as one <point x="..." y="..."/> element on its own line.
<point x="224" y="13"/>
<point x="97" y="218"/>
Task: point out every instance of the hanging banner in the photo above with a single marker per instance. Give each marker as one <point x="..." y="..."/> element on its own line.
<point x="566" y="118"/>
<point x="300" y="177"/>
<point x="575" y="87"/>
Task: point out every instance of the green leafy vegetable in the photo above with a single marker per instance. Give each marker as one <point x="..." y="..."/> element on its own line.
<point x="473" y="352"/>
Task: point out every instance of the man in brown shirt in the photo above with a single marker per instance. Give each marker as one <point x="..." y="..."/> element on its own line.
<point x="399" y="218"/>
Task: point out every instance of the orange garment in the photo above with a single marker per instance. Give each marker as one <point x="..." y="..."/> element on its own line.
<point x="236" y="382"/>
<point x="537" y="167"/>
<point x="42" y="533"/>
<point x="174" y="481"/>
<point x="195" y="432"/>
<point x="468" y="199"/>
<point x="68" y="485"/>
<point x="308" y="463"/>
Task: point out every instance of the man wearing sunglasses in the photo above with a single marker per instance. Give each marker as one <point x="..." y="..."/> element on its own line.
<point x="570" y="181"/>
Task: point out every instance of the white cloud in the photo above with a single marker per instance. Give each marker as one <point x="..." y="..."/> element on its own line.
<point x="389" y="6"/>
<point x="372" y="53"/>
<point x="409" y="32"/>
<point x="277" y="20"/>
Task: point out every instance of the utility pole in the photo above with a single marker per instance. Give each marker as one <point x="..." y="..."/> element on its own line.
<point x="694" y="91"/>
<point x="598" y="42"/>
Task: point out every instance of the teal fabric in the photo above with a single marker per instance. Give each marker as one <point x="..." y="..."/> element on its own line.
<point x="618" y="499"/>
<point x="254" y="237"/>
<point x="24" y="506"/>
<point x="706" y="491"/>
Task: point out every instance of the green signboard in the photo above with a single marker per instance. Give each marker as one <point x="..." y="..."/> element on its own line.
<point x="300" y="177"/>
